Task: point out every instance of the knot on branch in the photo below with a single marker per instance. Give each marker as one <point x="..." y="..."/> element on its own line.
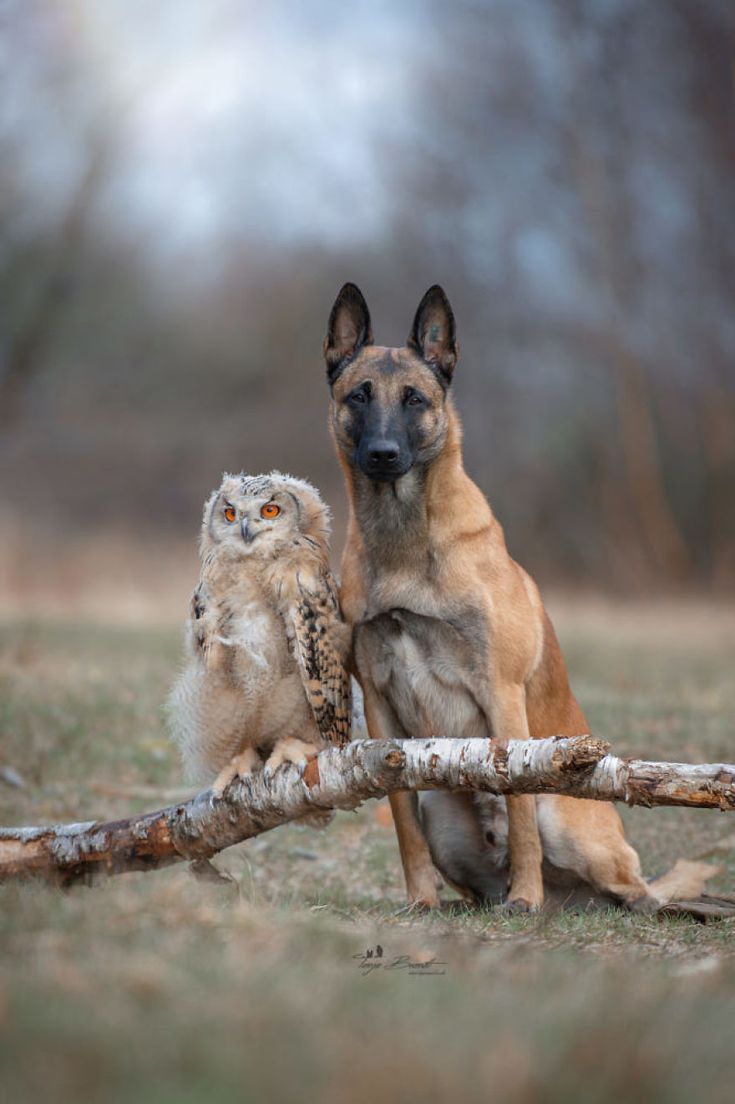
<point x="499" y="755"/>
<point x="395" y="758"/>
<point x="579" y="753"/>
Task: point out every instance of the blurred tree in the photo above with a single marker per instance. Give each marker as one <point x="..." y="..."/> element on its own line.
<point x="180" y="202"/>
<point x="55" y="259"/>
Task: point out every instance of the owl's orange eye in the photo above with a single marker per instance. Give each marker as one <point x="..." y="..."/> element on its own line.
<point x="270" y="510"/>
<point x="230" y="514"/>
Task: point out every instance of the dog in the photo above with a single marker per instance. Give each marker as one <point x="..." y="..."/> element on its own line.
<point x="449" y="634"/>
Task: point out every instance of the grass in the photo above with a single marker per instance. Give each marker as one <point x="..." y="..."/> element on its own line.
<point x="161" y="987"/>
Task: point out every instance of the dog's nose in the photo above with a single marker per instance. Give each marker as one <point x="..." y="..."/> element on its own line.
<point x="383" y="453"/>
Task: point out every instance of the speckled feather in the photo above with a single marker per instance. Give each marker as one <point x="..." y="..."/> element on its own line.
<point x="317" y="626"/>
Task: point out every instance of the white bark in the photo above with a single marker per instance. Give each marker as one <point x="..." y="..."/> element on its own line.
<point x="343" y="778"/>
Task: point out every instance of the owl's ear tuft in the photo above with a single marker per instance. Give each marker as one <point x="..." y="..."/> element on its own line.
<point x="348" y="329"/>
<point x="433" y="334"/>
<point x="315" y="518"/>
<point x="208" y="536"/>
<point x="209" y="506"/>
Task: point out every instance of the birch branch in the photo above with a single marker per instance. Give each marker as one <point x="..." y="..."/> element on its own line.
<point x="344" y="778"/>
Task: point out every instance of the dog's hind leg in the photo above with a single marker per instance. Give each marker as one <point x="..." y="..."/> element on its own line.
<point x="587" y="837"/>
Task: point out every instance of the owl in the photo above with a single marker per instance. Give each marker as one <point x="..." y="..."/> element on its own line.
<point x="265" y="679"/>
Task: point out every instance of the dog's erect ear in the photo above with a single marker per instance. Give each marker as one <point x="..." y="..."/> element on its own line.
<point x="348" y="330"/>
<point x="432" y="334"/>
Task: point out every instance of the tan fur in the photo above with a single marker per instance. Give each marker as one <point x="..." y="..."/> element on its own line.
<point x="685" y="880"/>
<point x="450" y="634"/>
<point x="469" y="834"/>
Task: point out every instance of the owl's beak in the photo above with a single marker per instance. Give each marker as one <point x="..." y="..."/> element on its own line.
<point x="247" y="536"/>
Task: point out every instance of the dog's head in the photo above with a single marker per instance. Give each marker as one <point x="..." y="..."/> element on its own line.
<point x="389" y="407"/>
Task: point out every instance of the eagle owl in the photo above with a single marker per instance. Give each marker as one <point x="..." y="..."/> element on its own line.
<point x="265" y="680"/>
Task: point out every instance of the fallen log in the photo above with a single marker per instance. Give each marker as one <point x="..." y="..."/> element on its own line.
<point x="342" y="779"/>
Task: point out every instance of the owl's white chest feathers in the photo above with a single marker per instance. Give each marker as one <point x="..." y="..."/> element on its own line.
<point x="252" y="632"/>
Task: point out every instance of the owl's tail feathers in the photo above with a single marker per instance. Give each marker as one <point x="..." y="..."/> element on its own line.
<point x="204" y="720"/>
<point x="181" y="711"/>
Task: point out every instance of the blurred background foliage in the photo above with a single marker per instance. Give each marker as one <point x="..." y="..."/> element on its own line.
<point x="185" y="186"/>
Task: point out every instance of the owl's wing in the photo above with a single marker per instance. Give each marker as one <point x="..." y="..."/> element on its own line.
<point x="199" y="620"/>
<point x="320" y="639"/>
<point x="207" y="626"/>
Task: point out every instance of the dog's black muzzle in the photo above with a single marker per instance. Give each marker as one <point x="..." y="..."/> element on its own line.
<point x="383" y="460"/>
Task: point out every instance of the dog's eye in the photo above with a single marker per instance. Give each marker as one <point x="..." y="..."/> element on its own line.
<point x="230" y="514"/>
<point x="270" y="510"/>
<point x="414" y="399"/>
<point x="359" y="397"/>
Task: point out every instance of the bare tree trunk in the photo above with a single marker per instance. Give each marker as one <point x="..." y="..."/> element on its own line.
<point x="21" y="360"/>
<point x="663" y="539"/>
<point x="604" y="197"/>
<point x="718" y="423"/>
<point x="343" y="778"/>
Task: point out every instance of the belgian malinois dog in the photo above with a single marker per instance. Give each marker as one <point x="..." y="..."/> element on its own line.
<point x="450" y="637"/>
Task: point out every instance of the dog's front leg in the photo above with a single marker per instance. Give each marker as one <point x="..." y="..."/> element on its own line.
<point x="418" y="868"/>
<point x="509" y="722"/>
<point x="524" y="850"/>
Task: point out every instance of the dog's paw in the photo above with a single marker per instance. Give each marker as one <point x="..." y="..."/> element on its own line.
<point x="422" y="900"/>
<point x="519" y="906"/>
<point x="644" y="906"/>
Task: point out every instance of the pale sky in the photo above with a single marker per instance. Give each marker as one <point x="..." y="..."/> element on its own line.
<point x="263" y="109"/>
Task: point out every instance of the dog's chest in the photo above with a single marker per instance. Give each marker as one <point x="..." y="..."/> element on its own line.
<point x="428" y="669"/>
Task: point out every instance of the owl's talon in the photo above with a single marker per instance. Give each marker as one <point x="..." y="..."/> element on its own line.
<point x="241" y="765"/>
<point x="290" y="750"/>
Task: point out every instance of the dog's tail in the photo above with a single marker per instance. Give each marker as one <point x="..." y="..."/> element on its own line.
<point x="684" y="882"/>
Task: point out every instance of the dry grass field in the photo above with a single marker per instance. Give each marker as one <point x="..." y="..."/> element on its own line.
<point x="159" y="987"/>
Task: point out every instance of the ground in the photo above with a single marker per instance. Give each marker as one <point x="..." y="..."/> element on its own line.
<point x="158" y="987"/>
